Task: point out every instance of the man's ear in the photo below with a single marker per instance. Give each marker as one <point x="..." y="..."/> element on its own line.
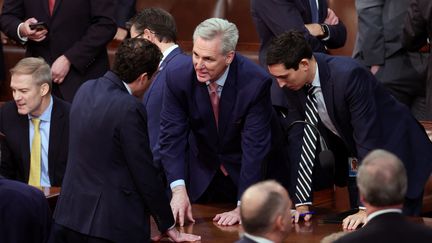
<point x="229" y="57"/>
<point x="148" y="34"/>
<point x="143" y="77"/>
<point x="44" y="89"/>
<point x="304" y="64"/>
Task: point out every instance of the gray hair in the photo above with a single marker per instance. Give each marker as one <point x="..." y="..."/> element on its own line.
<point x="382" y="179"/>
<point x="214" y="27"/>
<point x="36" y="67"/>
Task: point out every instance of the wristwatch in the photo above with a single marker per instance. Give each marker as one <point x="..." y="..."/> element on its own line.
<point x="326" y="31"/>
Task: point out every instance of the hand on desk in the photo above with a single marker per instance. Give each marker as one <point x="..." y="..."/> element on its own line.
<point x="302" y="211"/>
<point x="353" y="221"/>
<point x="177" y="236"/>
<point x="228" y="218"/>
<point x="180" y="205"/>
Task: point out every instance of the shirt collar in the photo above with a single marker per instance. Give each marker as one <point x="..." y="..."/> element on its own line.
<point x="221" y="81"/>
<point x="167" y="52"/>
<point x="316" y="81"/>
<point x="46" y="115"/>
<point x="127" y="87"/>
<point x="379" y="212"/>
<point x="257" y="238"/>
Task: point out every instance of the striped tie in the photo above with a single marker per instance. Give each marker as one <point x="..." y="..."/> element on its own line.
<point x="304" y="179"/>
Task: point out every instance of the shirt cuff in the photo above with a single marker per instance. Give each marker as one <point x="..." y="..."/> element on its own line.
<point x="362" y="208"/>
<point x="23" y="39"/>
<point x="175" y="183"/>
<point x="301" y="204"/>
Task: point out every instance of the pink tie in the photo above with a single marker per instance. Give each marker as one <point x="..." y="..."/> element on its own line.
<point x="51" y="4"/>
<point x="214" y="99"/>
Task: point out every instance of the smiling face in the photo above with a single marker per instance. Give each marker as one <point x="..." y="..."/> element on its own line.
<point x="30" y="97"/>
<point x="290" y="78"/>
<point x="208" y="60"/>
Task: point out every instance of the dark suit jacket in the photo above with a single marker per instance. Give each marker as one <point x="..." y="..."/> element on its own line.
<point x="15" y="160"/>
<point x="366" y="117"/>
<point x="152" y="100"/>
<point x="24" y="213"/>
<point x="415" y="33"/>
<point x="389" y="227"/>
<point x="242" y="139"/>
<point x="110" y="187"/>
<point x="78" y="29"/>
<point x="124" y="11"/>
<point x="274" y="17"/>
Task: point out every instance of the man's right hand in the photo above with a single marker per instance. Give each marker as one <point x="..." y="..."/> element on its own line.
<point x="180" y="205"/>
<point x="33" y="35"/>
<point x="302" y="210"/>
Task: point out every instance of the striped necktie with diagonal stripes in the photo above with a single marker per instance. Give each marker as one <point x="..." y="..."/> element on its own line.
<point x="310" y="138"/>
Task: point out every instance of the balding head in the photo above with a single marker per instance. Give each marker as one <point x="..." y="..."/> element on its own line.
<point x="261" y="204"/>
<point x="382" y="179"/>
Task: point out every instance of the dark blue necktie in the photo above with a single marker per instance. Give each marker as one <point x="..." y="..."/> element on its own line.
<point x="314" y="11"/>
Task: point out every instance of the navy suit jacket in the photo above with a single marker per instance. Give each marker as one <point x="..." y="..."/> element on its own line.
<point x="152" y="100"/>
<point x="78" y="29"/>
<point x="24" y="213"/>
<point x="389" y="227"/>
<point x="274" y="17"/>
<point x="366" y="117"/>
<point x="242" y="139"/>
<point x="15" y="159"/>
<point x="110" y="187"/>
<point x="245" y="239"/>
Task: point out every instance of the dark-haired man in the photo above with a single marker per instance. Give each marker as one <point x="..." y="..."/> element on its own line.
<point x="159" y="27"/>
<point x="265" y="213"/>
<point x="111" y="188"/>
<point x="354" y="113"/>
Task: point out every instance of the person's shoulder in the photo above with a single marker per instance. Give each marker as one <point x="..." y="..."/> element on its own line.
<point x="16" y="189"/>
<point x="247" y="68"/>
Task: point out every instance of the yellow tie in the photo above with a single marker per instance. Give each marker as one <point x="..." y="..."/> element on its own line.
<point x="35" y="156"/>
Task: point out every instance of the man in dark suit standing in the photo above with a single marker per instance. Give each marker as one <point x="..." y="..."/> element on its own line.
<point x="352" y="111"/>
<point x="222" y="100"/>
<point x="417" y="35"/>
<point x="382" y="183"/>
<point x="24" y="213"/>
<point x="379" y="47"/>
<point x="110" y="187"/>
<point x="74" y="42"/>
<point x="157" y="26"/>
<point x="265" y="213"/>
<point x="35" y="119"/>
<point x="320" y="25"/>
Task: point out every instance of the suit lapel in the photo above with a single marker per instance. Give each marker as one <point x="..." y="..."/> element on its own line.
<point x="327" y="89"/>
<point x="227" y="100"/>
<point x="156" y="79"/>
<point x="25" y="145"/>
<point x="58" y="120"/>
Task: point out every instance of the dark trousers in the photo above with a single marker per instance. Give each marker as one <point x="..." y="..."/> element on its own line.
<point x="61" y="234"/>
<point x="221" y="190"/>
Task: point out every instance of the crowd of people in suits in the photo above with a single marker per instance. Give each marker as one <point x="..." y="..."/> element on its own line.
<point x="162" y="129"/>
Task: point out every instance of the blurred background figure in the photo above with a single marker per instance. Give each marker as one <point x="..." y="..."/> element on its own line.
<point x="379" y="47"/>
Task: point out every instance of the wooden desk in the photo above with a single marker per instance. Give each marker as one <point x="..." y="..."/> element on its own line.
<point x="51" y="194"/>
<point x="304" y="232"/>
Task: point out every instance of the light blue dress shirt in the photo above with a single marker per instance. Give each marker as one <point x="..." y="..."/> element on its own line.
<point x="44" y="127"/>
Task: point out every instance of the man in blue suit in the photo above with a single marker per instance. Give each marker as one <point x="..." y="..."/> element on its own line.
<point x="110" y="188"/>
<point x="355" y="115"/>
<point x="157" y="26"/>
<point x="320" y="25"/>
<point x="222" y="100"/>
<point x="24" y="213"/>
